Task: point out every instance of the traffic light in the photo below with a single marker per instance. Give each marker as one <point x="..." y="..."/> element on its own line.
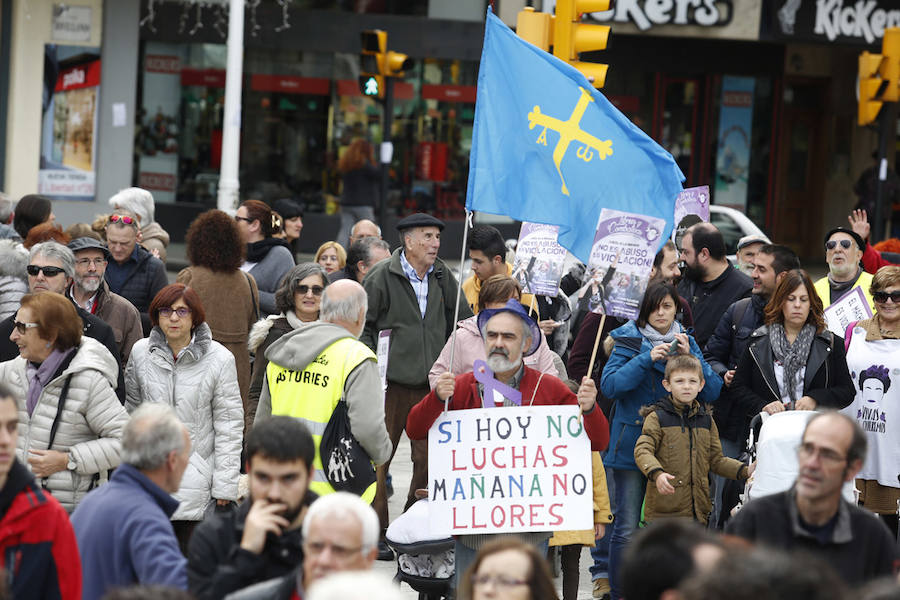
<point x="890" y="65"/>
<point x="870" y="83"/>
<point x="376" y="62"/>
<point x="571" y="36"/>
<point x="535" y="27"/>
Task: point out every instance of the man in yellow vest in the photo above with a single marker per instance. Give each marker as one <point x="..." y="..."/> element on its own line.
<point x="843" y="251"/>
<point x="312" y="368"/>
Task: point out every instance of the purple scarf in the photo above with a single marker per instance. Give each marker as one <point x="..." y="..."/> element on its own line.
<point x="40" y="374"/>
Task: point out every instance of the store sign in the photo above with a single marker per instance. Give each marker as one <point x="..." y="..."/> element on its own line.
<point x="651" y="13"/>
<point x="71" y="23"/>
<point x="855" y="21"/>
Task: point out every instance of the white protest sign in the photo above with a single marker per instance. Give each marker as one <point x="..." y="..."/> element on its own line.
<point x="384" y="346"/>
<point x="850" y="307"/>
<point x="512" y="469"/>
<point x="539" y="259"/>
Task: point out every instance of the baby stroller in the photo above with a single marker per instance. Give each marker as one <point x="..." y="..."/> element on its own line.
<point x="775" y="451"/>
<point x="425" y="564"/>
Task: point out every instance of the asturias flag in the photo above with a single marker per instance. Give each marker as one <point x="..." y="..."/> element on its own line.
<point x="549" y="148"/>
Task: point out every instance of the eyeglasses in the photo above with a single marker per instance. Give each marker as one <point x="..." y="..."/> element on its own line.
<point x="244" y="219"/>
<point x="181" y="311"/>
<point x="33" y="270"/>
<point x="807" y="450"/>
<point x="122" y="219"/>
<point x="832" y="244"/>
<point x="86" y="262"/>
<point x="501" y="581"/>
<point x="339" y="552"/>
<point x="882" y="297"/>
<point x="23" y="327"/>
<point x="315" y="289"/>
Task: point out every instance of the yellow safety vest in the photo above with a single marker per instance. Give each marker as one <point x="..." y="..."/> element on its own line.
<point x="311" y="395"/>
<point x="823" y="289"/>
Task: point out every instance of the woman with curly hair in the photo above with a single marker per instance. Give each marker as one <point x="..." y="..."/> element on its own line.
<point x="268" y="257"/>
<point x="360" y="177"/>
<point x="298" y="300"/>
<point x="215" y="248"/>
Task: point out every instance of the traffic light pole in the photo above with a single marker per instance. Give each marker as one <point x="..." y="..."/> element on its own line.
<point x="884" y="131"/>
<point x="386" y="137"/>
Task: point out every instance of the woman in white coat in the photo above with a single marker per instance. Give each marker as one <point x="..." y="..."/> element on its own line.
<point x="182" y="365"/>
<point x="70" y="419"/>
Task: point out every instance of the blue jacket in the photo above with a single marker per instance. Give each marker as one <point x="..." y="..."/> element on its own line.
<point x="632" y="380"/>
<point x="125" y="536"/>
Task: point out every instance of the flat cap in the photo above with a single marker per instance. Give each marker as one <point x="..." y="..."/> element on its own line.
<point x="88" y="243"/>
<point x="419" y="220"/>
<point x="856" y="238"/>
<point x="752" y="239"/>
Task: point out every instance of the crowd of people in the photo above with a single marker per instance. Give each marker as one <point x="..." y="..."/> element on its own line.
<point x="230" y="435"/>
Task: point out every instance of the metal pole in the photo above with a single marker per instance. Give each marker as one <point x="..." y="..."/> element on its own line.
<point x="884" y="131"/>
<point x="229" y="185"/>
<point x="386" y="137"/>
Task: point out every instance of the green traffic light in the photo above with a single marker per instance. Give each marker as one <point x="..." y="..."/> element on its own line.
<point x="371" y="87"/>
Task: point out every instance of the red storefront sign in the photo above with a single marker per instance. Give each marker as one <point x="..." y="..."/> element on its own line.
<point x="290" y="84"/>
<point x="164" y="182"/>
<point x="162" y="63"/>
<point x="81" y="76"/>
<point x="431" y="161"/>
<point x="449" y="93"/>
<point x="203" y="77"/>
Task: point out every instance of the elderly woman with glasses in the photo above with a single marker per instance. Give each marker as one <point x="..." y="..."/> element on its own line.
<point x="229" y="296"/>
<point x="298" y="300"/>
<point x="180" y="364"/>
<point x="873" y="358"/>
<point x="510" y="569"/>
<point x="70" y="420"/>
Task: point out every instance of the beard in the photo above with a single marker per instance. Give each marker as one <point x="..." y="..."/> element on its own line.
<point x="499" y="361"/>
<point x="88" y="285"/>
<point x="694" y="272"/>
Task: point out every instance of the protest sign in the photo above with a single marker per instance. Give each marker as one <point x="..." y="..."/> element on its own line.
<point x="850" y="307"/>
<point x="625" y="245"/>
<point x="513" y="469"/>
<point x="539" y="259"/>
<point x="384" y="348"/>
<point x="691" y="207"/>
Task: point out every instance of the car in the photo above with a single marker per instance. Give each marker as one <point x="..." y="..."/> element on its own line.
<point x="734" y="225"/>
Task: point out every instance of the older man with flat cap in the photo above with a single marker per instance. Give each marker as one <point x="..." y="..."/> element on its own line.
<point x="843" y="252"/>
<point x="412" y="294"/>
<point x="509" y="334"/>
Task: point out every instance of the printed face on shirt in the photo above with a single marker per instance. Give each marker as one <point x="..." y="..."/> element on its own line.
<point x="684" y="386"/>
<point x="90" y="265"/>
<point x="121" y="240"/>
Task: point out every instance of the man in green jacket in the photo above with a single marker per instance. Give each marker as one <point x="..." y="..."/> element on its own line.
<point x="412" y="294"/>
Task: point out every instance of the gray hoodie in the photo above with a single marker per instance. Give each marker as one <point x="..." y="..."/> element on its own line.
<point x="362" y="388"/>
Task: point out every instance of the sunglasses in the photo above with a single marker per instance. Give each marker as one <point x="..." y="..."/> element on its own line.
<point x="882" y="297"/>
<point x="122" y="219"/>
<point x="33" y="270"/>
<point x="832" y="244"/>
<point x="23" y="327"/>
<point x="304" y="289"/>
<point x="182" y="312"/>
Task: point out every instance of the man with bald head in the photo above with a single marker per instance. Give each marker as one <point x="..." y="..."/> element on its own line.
<point x="710" y="283"/>
<point x="363" y="229"/>
<point x="314" y="367"/>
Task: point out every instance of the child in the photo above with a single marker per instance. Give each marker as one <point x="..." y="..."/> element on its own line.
<point x="679" y="446"/>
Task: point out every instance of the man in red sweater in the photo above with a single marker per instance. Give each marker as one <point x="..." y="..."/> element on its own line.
<point x="509" y="334"/>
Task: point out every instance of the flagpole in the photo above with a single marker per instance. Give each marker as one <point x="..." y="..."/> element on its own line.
<point x="596" y="343"/>
<point x="459" y="280"/>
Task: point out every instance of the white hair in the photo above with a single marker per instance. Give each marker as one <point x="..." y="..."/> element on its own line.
<point x="136" y="200"/>
<point x="345" y="309"/>
<point x="152" y="432"/>
<point x="6" y="207"/>
<point x="339" y="506"/>
<point x="56" y="251"/>
<point x="348" y="584"/>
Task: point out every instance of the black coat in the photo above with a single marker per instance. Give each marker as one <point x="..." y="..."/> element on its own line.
<point x="710" y="300"/>
<point x="92" y="326"/>
<point x="142" y="284"/>
<point x="218" y="566"/>
<point x="827" y="380"/>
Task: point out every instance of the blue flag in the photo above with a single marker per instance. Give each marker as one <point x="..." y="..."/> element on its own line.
<point x="549" y="148"/>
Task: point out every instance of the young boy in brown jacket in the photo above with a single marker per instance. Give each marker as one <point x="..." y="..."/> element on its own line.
<point x="679" y="446"/>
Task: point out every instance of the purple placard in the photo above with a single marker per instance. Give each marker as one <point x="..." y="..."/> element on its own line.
<point x="539" y="259"/>
<point x="621" y="259"/>
<point x="691" y="206"/>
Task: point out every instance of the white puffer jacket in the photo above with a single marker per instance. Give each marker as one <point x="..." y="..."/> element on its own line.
<point x="202" y="387"/>
<point x="90" y="426"/>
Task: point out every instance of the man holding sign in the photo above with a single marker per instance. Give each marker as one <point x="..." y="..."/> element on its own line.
<point x="509" y="334"/>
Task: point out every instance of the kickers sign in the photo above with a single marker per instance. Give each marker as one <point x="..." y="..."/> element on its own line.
<point x="854" y="21"/>
<point x="515" y="469"/>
